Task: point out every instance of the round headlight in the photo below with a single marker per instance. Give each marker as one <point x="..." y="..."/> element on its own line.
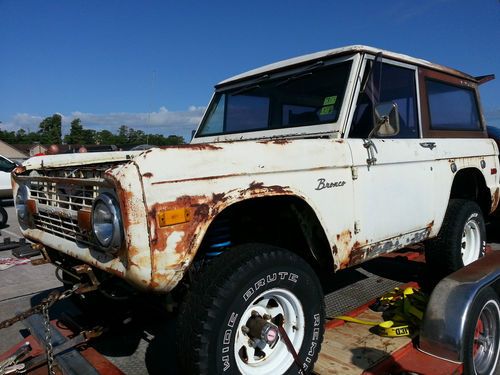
<point x="21" y="198"/>
<point x="106" y="222"/>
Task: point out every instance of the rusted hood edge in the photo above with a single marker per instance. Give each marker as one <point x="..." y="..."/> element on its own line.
<point x="65" y="160"/>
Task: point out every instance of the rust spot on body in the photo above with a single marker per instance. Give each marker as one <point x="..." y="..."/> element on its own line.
<point x="159" y="235"/>
<point x="255" y="185"/>
<point x="217" y="198"/>
<point x="259" y="189"/>
<point x="275" y="141"/>
<point x="344" y="239"/>
<point x="429" y="226"/>
<point x="147" y="175"/>
<point x="356" y="256"/>
<point x="196" y="146"/>
<point x="495" y="198"/>
<point x="335" y="251"/>
<point x="358" y="244"/>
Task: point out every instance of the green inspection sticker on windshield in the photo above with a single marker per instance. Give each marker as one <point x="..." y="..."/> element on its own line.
<point x="326" y="110"/>
<point x="329" y="100"/>
<point x="328" y="105"/>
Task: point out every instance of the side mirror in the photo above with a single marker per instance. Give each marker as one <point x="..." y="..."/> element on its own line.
<point x="386" y="120"/>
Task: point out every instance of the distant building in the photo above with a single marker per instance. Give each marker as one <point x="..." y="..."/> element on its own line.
<point x="31" y="149"/>
<point x="37" y="149"/>
<point x="11" y="152"/>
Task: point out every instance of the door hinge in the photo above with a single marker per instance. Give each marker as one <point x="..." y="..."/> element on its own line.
<point x="354" y="172"/>
<point x="356" y="227"/>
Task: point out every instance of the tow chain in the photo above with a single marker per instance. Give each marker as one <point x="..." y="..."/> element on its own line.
<point x="43" y="309"/>
<point x="49" y="350"/>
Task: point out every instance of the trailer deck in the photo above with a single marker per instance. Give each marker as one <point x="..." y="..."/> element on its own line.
<point x="140" y="341"/>
<point x="140" y="338"/>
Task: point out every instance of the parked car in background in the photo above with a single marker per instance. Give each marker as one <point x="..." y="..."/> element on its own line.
<point x="6" y="166"/>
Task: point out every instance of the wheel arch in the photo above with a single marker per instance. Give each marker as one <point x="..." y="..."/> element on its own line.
<point x="469" y="183"/>
<point x="286" y="221"/>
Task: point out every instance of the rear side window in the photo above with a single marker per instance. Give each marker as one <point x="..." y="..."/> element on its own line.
<point x="452" y="107"/>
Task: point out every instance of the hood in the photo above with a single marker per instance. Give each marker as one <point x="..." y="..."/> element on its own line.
<point x="65" y="160"/>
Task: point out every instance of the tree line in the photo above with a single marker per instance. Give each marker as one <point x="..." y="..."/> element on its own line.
<point x="49" y="132"/>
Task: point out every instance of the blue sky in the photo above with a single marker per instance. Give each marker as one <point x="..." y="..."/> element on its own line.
<point x="152" y="65"/>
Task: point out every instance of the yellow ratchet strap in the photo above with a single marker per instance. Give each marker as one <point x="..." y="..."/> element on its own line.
<point x="406" y="310"/>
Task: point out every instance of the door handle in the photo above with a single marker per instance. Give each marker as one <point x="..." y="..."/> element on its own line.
<point x="430" y="145"/>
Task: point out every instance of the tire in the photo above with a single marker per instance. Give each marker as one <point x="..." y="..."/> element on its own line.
<point x="260" y="278"/>
<point x="3" y="217"/>
<point x="482" y="335"/>
<point x="461" y="240"/>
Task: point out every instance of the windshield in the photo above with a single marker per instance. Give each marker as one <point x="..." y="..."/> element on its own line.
<point x="310" y="97"/>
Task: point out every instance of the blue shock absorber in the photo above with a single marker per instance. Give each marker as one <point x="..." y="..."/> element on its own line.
<point x="219" y="237"/>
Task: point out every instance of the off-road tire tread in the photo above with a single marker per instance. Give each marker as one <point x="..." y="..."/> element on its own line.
<point x="441" y="254"/>
<point x="207" y="292"/>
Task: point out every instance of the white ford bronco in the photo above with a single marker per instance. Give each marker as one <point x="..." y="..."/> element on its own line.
<point x="309" y="165"/>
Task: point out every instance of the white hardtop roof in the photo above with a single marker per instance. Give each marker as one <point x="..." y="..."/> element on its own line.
<point x="342" y="51"/>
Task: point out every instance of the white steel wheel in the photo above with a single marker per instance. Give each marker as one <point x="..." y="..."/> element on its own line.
<point x="239" y="313"/>
<point x="471" y="242"/>
<point x="461" y="240"/>
<point x="256" y="356"/>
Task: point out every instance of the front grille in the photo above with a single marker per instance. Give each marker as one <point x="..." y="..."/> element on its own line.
<point x="64" y="227"/>
<point x="60" y="193"/>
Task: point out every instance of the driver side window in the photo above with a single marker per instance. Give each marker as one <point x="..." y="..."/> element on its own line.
<point x="387" y="83"/>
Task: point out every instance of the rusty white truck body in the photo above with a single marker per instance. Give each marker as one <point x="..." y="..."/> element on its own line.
<point x="369" y="198"/>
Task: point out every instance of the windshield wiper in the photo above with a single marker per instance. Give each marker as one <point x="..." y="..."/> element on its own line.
<point x="307" y="71"/>
<point x="292" y="78"/>
<point x="245" y="89"/>
<point x="251" y="87"/>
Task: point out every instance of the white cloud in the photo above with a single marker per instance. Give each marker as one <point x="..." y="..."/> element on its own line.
<point x="22" y="121"/>
<point x="162" y="121"/>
